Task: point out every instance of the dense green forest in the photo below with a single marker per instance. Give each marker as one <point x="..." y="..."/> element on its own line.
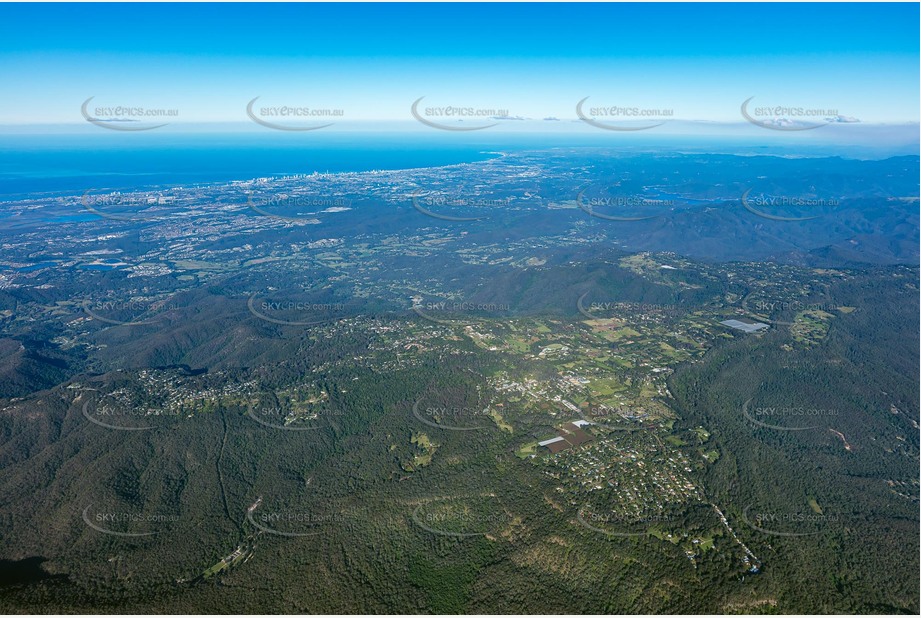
<point x="326" y="517"/>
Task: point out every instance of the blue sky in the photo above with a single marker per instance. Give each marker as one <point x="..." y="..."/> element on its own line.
<point x="373" y="61"/>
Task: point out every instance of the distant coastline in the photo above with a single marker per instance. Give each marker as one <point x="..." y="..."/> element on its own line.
<point x="49" y="164"/>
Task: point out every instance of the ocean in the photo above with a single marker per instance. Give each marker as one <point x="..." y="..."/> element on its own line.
<point x="72" y="162"/>
<point x="33" y="165"/>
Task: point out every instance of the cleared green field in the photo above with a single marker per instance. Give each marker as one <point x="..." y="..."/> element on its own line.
<point x="815" y="505"/>
<point x="675" y="441"/>
<point x="526" y="450"/>
<point x="621" y="333"/>
<point x="706" y="544"/>
<point x="518" y="344"/>
<point x="606" y="387"/>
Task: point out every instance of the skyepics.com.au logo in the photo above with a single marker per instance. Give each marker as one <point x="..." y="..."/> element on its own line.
<point x="452" y="418"/>
<point x="762" y="308"/>
<point x="127" y="523"/>
<point x="439" y="206"/>
<point x="787" y="208"/>
<point x="791" y="117"/>
<point x="309" y="417"/>
<point x="789" y="523"/>
<point x="457" y="117"/>
<point x="291" y="312"/>
<point x="786" y="418"/>
<point x="302" y="209"/>
<point x="129" y="312"/>
<point x="462" y="517"/>
<point x="597" y="310"/>
<point x="295" y="522"/>
<point x="457" y="312"/>
<point x="616" y="524"/>
<point x="625" y="419"/>
<point x="622" y="117"/>
<point x="126" y="117"/>
<point x="621" y="207"/>
<point x="771" y="306"/>
<point x="116" y="416"/>
<point x="119" y="206"/>
<point x="292" y="117"/>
